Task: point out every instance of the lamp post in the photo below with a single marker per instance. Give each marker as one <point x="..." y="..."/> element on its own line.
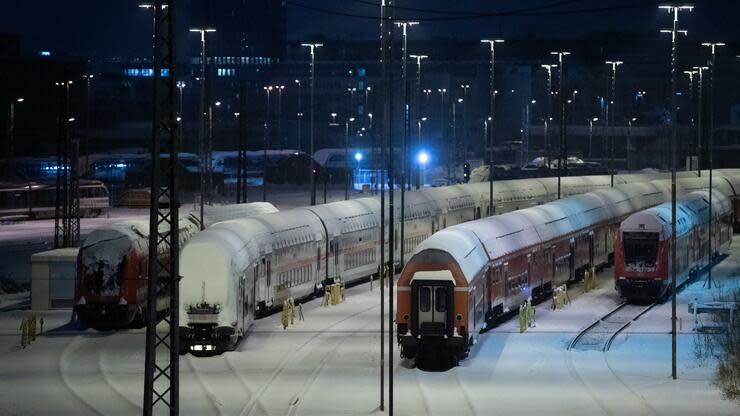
<point x="88" y="119"/>
<point x="526" y="135"/>
<point x="700" y="118"/>
<point x="418" y="175"/>
<point x="350" y="108"/>
<point x="591" y="135"/>
<point x="455" y="142"/>
<point x="712" y="62"/>
<point x="674" y="11"/>
<point x="611" y="94"/>
<point x="202" y="122"/>
<point x="422" y="159"/>
<point x="691" y="74"/>
<point x="11" y="131"/>
<point x="209" y="151"/>
<point x="548" y="117"/>
<point x="312" y="47"/>
<point x="562" y="159"/>
<point x="347" y="175"/>
<point x="492" y="123"/>
<point x="266" y="142"/>
<point x="299" y="114"/>
<point x="629" y="141"/>
<point x="279" y="89"/>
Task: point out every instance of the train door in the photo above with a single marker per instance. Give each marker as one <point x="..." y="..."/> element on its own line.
<point x="530" y="279"/>
<point x="497" y="284"/>
<point x="477" y="213"/>
<point x="434" y="299"/>
<point x="572" y="260"/>
<point x="241" y="302"/>
<point x="591" y="249"/>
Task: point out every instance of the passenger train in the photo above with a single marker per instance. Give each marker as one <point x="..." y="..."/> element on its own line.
<point x="642" y="267"/>
<point x="111" y="281"/>
<point x="241" y="269"/>
<point x="31" y="200"/>
<point x="465" y="277"/>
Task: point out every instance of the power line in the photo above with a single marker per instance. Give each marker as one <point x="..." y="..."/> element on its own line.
<point x="473" y="16"/>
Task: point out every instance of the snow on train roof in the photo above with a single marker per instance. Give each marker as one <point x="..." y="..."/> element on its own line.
<point x="450" y="198"/>
<point x="346" y="216"/>
<point x="462" y="244"/>
<point x="215" y="215"/>
<point x="690" y="209"/>
<point x="504" y="233"/>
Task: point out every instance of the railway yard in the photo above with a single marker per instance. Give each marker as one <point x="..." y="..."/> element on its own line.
<point x="328" y="364"/>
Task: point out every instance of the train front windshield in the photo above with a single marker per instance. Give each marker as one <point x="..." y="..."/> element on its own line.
<point x="640" y="251"/>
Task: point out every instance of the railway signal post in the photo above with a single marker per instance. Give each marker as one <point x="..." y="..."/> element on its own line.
<point x="161" y="377"/>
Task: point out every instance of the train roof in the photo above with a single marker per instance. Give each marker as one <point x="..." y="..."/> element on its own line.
<point x="346" y="216"/>
<point x="690" y="209"/>
<point x="220" y="213"/>
<point x="460" y="243"/>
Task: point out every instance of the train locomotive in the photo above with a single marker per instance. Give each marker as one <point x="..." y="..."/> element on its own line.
<point x="466" y="277"/>
<point x="111" y="281"/>
<point x="642" y="269"/>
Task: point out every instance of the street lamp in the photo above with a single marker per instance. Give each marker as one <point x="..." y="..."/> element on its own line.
<point x="299" y="114"/>
<point x="591" y="135"/>
<point x="563" y="147"/>
<point x="11" y="130"/>
<point x="455" y="152"/>
<point x="492" y="114"/>
<point x="674" y="10"/>
<point x="691" y="74"/>
<point x="629" y="141"/>
<point x="422" y="158"/>
<point x="312" y="47"/>
<point x="548" y="68"/>
<point x="712" y="63"/>
<point x="700" y="118"/>
<point x="266" y="142"/>
<point x="611" y="95"/>
<point x="202" y="123"/>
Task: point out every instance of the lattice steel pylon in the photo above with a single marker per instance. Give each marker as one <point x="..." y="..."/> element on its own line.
<point x="161" y="379"/>
<point x="73" y="203"/>
<point x="61" y="207"/>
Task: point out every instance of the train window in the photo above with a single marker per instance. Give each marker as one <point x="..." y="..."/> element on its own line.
<point x="440" y="299"/>
<point x="424" y="298"/>
<point x="640" y="249"/>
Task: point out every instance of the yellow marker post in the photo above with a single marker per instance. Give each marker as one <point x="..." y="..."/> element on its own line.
<point x="24" y="332"/>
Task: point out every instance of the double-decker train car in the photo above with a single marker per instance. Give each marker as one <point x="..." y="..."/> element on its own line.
<point x="642" y="268"/>
<point x="111" y="280"/>
<point x="466" y="276"/>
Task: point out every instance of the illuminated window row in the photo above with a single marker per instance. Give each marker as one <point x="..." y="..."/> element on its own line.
<point x="144" y="72"/>
<point x="234" y="60"/>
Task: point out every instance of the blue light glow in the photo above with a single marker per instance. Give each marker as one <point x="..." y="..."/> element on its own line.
<point x="358" y="156"/>
<point x="422" y="157"/>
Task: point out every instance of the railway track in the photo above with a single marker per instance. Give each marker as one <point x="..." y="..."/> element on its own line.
<point x="599" y="335"/>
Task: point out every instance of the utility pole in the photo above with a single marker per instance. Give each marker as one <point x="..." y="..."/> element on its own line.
<point x="266" y="142"/>
<point x="562" y="159"/>
<point x="406" y="132"/>
<point x="674" y="10"/>
<point x="385" y="56"/>
<point x="61" y="213"/>
<point x="312" y="47"/>
<point x="201" y="116"/>
<point x="300" y="114"/>
<point x="416" y="106"/>
<point x="712" y="64"/>
<point x="161" y="377"/>
<point x="492" y="120"/>
<point x="609" y="102"/>
<point x="11" y="132"/>
<point x="209" y="152"/>
<point x="73" y="203"/>
<point x="691" y="110"/>
<point x="391" y="212"/>
<point x="700" y="118"/>
<point x="88" y="120"/>
<point x="241" y="118"/>
<point x="548" y="155"/>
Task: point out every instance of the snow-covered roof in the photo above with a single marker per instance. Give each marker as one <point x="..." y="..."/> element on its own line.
<point x="462" y="244"/>
<point x="346" y="216"/>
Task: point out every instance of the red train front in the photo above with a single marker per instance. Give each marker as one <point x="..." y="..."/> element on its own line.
<point x="110" y="287"/>
<point x="642" y="258"/>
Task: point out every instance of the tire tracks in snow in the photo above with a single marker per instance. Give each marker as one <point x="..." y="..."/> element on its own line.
<point x="289" y="358"/>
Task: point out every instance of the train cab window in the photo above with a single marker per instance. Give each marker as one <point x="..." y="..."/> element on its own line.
<point x="425" y="294"/>
<point x="440" y="299"/>
<point x="640" y="249"/>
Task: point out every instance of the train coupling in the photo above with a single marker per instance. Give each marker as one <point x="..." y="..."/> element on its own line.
<point x="202" y="335"/>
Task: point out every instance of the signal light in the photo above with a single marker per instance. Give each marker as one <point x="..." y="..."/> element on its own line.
<point x="466" y="172"/>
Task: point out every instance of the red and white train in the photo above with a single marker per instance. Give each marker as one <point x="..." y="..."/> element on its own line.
<point x="111" y="281"/>
<point x="642" y="266"/>
<point x="464" y="277"/>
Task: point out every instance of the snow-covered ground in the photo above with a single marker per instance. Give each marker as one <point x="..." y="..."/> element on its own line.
<point x="329" y="364"/>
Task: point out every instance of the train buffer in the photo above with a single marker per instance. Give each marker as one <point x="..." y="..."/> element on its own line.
<point x="721" y="314"/>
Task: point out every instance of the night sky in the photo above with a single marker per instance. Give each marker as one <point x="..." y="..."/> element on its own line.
<point x="116" y="27"/>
